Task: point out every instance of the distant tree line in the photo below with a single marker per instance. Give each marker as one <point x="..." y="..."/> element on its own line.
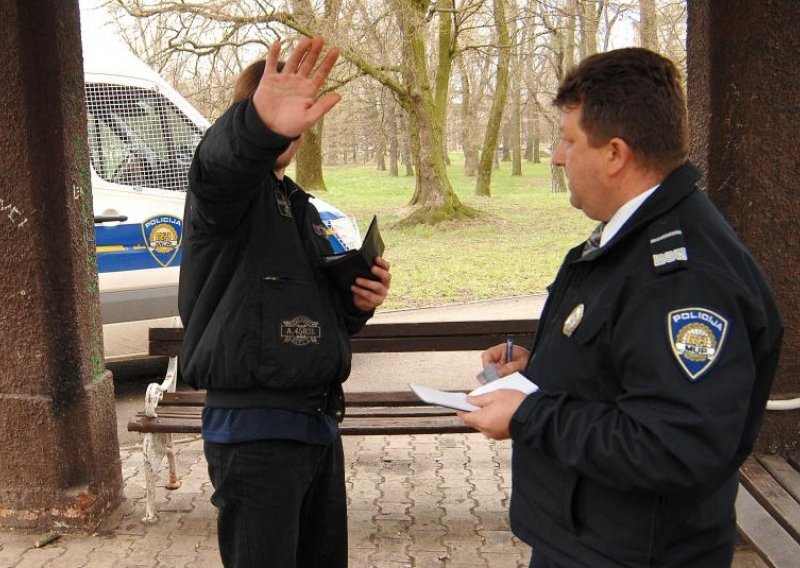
<point x="419" y="78"/>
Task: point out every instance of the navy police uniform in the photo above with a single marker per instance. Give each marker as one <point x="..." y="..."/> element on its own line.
<point x="654" y="356"/>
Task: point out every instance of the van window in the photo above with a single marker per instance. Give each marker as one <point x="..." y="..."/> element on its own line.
<point x="138" y="137"/>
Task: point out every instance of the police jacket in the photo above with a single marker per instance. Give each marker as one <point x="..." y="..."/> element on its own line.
<point x="654" y="357"/>
<point x="264" y="327"/>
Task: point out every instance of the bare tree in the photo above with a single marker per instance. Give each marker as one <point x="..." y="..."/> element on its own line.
<point x="483" y="184"/>
<point x="648" y="26"/>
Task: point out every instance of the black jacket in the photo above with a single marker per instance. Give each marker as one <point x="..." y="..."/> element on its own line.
<point x="650" y="401"/>
<point x="263" y="325"/>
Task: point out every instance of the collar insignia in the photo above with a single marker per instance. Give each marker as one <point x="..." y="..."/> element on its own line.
<point x="696" y="337"/>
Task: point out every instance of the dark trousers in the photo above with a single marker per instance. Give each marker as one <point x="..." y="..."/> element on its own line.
<point x="280" y="504"/>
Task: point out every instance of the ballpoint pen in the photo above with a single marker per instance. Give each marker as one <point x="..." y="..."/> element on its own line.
<point x="509" y="349"/>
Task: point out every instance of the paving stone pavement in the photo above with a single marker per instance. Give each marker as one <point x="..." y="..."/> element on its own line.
<point x="430" y="501"/>
<point x="414" y="501"/>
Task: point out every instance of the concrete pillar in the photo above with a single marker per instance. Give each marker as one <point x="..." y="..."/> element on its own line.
<point x="744" y="112"/>
<point x="59" y="455"/>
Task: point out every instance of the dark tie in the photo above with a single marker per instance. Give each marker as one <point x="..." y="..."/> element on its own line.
<point x="593" y="242"/>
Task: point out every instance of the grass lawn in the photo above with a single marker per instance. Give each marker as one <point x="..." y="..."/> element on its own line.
<point x="514" y="250"/>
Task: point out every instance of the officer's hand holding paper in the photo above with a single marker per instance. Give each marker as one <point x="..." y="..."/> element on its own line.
<point x="458" y="401"/>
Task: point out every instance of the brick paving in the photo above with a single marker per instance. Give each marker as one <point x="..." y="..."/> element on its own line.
<point x="414" y="501"/>
<point x="428" y="501"/>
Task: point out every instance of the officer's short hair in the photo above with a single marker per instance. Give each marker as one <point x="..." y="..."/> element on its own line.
<point x="633" y="94"/>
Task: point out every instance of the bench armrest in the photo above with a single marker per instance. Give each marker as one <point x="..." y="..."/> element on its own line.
<point x="156" y="390"/>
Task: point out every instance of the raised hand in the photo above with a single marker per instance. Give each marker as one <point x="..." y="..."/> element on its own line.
<point x="287" y="101"/>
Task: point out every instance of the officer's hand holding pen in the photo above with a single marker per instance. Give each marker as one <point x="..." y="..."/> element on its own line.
<point x="503" y="359"/>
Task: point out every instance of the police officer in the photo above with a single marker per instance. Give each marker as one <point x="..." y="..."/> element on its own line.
<point x="266" y="332"/>
<point x="655" y="351"/>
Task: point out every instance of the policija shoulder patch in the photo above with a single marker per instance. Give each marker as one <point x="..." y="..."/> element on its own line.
<point x="696" y="336"/>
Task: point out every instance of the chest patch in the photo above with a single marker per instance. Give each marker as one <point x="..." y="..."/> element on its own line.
<point x="697" y="337"/>
<point x="300" y="331"/>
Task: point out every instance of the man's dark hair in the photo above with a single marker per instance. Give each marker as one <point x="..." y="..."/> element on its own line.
<point x="633" y="94"/>
<point x="248" y="80"/>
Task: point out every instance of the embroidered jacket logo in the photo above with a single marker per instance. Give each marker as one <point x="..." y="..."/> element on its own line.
<point x="300" y="331"/>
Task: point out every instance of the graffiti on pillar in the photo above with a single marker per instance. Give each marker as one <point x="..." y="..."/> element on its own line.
<point x="12" y="213"/>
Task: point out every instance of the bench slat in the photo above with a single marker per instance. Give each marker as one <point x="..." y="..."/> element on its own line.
<point x="194" y="412"/>
<point x="763" y="533"/>
<point x="367" y="424"/>
<point x="354" y="425"/>
<point x="423" y="329"/>
<point x="398" y="337"/>
<point x="352" y="399"/>
<point x="783" y="471"/>
<point x="772" y="496"/>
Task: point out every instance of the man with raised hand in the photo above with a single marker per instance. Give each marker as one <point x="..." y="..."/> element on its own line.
<point x="267" y="334"/>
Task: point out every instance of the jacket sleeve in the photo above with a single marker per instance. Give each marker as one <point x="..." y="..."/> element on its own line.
<point x="230" y="165"/>
<point x="666" y="431"/>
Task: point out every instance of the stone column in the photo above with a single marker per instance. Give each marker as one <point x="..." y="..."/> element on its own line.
<point x="59" y="455"/>
<point x="744" y="113"/>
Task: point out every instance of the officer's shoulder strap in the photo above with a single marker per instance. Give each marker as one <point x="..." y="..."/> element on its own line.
<point x="667" y="245"/>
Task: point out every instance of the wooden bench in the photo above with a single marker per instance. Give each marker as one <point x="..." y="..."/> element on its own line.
<point x="168" y="412"/>
<point x="768" y="508"/>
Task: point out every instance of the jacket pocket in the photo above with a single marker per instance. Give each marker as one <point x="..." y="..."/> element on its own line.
<point x="298" y="337"/>
<point x="547" y="487"/>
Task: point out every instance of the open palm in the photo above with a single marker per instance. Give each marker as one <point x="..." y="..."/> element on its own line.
<point x="287" y="101"/>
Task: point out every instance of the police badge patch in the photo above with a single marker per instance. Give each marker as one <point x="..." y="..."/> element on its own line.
<point x="163" y="235"/>
<point x="696" y="336"/>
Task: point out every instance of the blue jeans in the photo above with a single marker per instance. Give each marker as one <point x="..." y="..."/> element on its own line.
<point x="280" y="503"/>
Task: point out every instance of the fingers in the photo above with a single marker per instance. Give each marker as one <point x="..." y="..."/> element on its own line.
<point x="493" y="355"/>
<point x="297" y="55"/>
<point x="311" y="56"/>
<point x="273" y="55"/>
<point x="324" y="69"/>
<point x="383" y="263"/>
<point x="322" y="106"/>
<point x="368" y="294"/>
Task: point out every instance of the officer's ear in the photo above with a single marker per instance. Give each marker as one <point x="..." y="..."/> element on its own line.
<point x="619" y="156"/>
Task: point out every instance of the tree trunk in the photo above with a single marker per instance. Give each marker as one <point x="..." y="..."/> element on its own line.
<point x="515" y="120"/>
<point x="505" y="155"/>
<point x="648" y="30"/>
<point x="534" y="133"/>
<point x="308" y="160"/>
<point x="589" y="13"/>
<point x="433" y="191"/>
<point x="488" y="153"/>
<point x="516" y="135"/>
<point x="393" y="142"/>
<point x="467" y="122"/>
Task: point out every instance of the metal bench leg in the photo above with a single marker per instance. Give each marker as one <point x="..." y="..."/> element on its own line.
<point x="173" y="482"/>
<point x="155" y="447"/>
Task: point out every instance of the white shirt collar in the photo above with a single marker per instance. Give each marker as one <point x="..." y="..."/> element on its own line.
<point x="623" y="214"/>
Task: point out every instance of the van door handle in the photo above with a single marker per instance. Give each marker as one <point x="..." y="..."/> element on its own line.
<point x="109" y="219"/>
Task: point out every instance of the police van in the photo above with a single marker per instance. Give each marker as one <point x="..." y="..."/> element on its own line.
<point x="142" y="134"/>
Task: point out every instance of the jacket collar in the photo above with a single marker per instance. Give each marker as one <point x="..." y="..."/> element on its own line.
<point x="678" y="185"/>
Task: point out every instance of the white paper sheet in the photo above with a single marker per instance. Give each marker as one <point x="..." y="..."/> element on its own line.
<point x="458" y="400"/>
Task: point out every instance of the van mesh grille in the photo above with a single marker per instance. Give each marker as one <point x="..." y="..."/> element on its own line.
<point x="137" y="137"/>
